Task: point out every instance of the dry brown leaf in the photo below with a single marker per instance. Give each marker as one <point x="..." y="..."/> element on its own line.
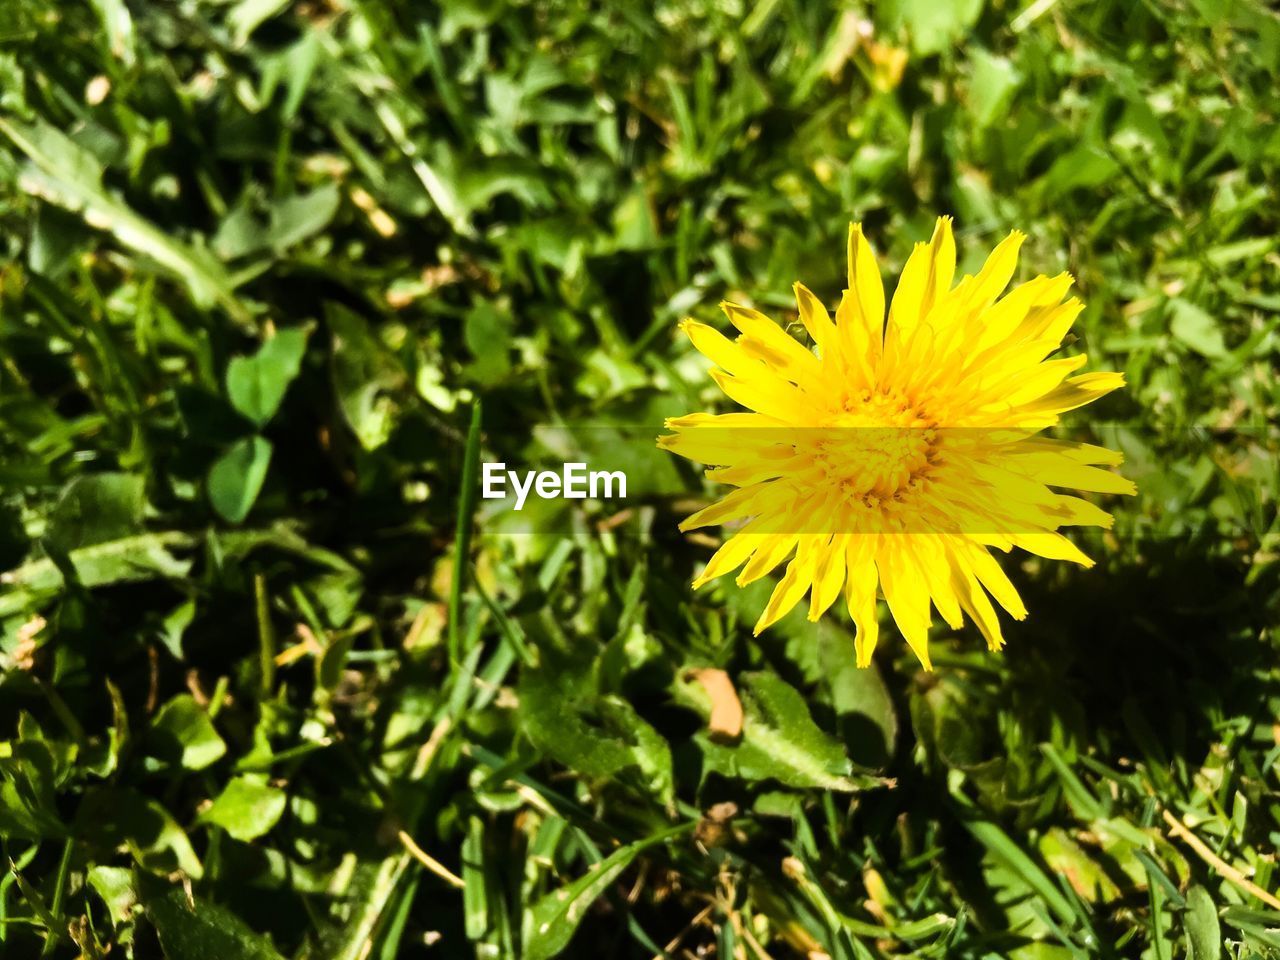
<point x="726" y="709"/>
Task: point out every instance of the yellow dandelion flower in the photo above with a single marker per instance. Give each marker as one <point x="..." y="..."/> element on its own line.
<point x="891" y="458"/>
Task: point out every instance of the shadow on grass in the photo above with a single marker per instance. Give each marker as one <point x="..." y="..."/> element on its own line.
<point x="1137" y="662"/>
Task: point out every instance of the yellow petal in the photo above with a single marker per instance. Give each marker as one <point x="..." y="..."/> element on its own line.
<point x="728" y="438"/>
<point x="792" y="586"/>
<point x="1058" y="471"/>
<point x="1009" y="317"/>
<point x="906" y="596"/>
<point x="733" y="506"/>
<point x="1043" y="378"/>
<point x="1076" y="392"/>
<point x="768" y="341"/>
<point x="814" y="316"/>
<point x="1077" y="512"/>
<point x="975" y="603"/>
<point x="720" y="350"/>
<point x="926" y="277"/>
<point x="711" y="445"/>
<point x="859" y="347"/>
<point x="758" y="469"/>
<point x="1074" y="450"/>
<point x="1053" y="324"/>
<point x="728" y="421"/>
<point x="996" y="582"/>
<point x="860" y="595"/>
<point x="1045" y="309"/>
<point x="936" y="570"/>
<point x="864" y="283"/>
<point x="828" y="576"/>
<point x="732" y="554"/>
<point x="773" y="552"/>
<point x="981" y="291"/>
<point x="768" y="395"/>
<point x="1051" y="546"/>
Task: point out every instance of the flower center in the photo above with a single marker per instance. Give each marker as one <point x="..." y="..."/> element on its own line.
<point x="879" y="446"/>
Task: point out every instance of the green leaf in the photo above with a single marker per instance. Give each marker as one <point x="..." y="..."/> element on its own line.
<point x="57" y="239"/>
<point x="296" y="218"/>
<point x="182" y="735"/>
<point x="1085" y="166"/>
<point x="779" y="739"/>
<point x="1067" y="858"/>
<point x="330" y="663"/>
<point x="237" y="476"/>
<point x="247" y="808"/>
<point x="147" y="557"/>
<point x="633" y="223"/>
<point x="649" y="749"/>
<point x="369" y="896"/>
<point x="247" y="15"/>
<point x="1197" y="328"/>
<point x="932" y="26"/>
<point x="175" y="625"/>
<point x="115" y="886"/>
<point x="101" y="755"/>
<point x="475" y="892"/>
<point x="240" y="233"/>
<point x="364" y="374"/>
<point x="28" y="809"/>
<point x="1259" y="924"/>
<point x="95" y="508"/>
<point x="1204" y="936"/>
<point x="992" y="84"/>
<point x="256" y="385"/>
<point x="190" y="930"/>
<point x="69" y="176"/>
<point x="118" y="26"/>
<point x="113" y="816"/>
<point x="598" y="737"/>
<point x="868" y="723"/>
<point x="554" y="918"/>
<point x="487" y="332"/>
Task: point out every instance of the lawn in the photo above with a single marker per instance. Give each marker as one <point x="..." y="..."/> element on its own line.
<point x="277" y="277"/>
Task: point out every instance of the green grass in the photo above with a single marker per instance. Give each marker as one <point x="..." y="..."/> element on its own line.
<point x="260" y="261"/>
